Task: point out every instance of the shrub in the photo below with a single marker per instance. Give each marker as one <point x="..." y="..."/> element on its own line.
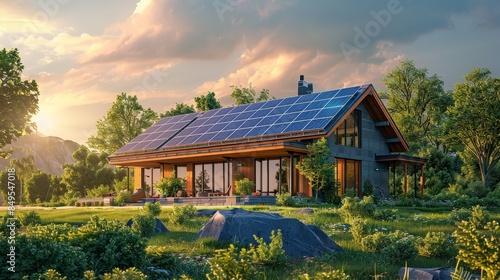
<point x="153" y="209"/>
<point x="458" y="215"/>
<point x="285" y="199"/>
<point x="367" y="188"/>
<point x="170" y="185"/>
<point x="376" y="242"/>
<point x="109" y="245"/>
<point x="180" y="214"/>
<point x="359" y="229"/>
<point x="161" y="257"/>
<point x="435" y="245"/>
<point x="232" y="263"/>
<point x="271" y="254"/>
<point x="78" y="204"/>
<point x="129" y="273"/>
<point x="401" y="251"/>
<point x="386" y="214"/>
<point x="122" y="197"/>
<point x="355" y="208"/>
<point x="29" y="218"/>
<point x="478" y="243"/>
<point x="98" y="192"/>
<point x="245" y="186"/>
<point x="334" y="274"/>
<point x="144" y="225"/>
<point x="51" y="274"/>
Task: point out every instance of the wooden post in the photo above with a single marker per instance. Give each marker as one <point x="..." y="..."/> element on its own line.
<point x="406" y="179"/>
<point x="422" y="181"/>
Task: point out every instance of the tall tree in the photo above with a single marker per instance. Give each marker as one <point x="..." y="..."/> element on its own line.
<point x="417" y="103"/>
<point x="474" y="119"/>
<point x="247" y="95"/>
<point x="180" y="109"/>
<point x="123" y="122"/>
<point x="19" y="99"/>
<point x="316" y="166"/>
<point x="207" y="102"/>
<point x="88" y="171"/>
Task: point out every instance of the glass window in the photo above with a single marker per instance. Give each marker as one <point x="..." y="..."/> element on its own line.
<point x="219" y="177"/>
<point x="347" y="133"/>
<point x="347" y="174"/>
<point x="181" y="171"/>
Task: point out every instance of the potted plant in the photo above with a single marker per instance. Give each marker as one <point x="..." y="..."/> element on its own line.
<point x="245" y="186"/>
<point x="171" y="186"/>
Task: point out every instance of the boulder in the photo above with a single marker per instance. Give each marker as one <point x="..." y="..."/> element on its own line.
<point x="439" y="273"/>
<point x="304" y="211"/>
<point x="299" y="240"/>
<point x="159" y="227"/>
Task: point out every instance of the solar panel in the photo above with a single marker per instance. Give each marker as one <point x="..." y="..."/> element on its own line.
<point x="317" y="111"/>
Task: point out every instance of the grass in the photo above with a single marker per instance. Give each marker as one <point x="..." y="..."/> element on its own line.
<point x="181" y="240"/>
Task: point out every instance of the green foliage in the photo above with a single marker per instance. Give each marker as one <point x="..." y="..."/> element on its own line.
<point x="109" y="245"/>
<point x="232" y="263"/>
<point x="367" y="188"/>
<point x="153" y="209"/>
<point x="20" y="97"/>
<point x="144" y="225"/>
<point x="89" y="171"/>
<point x="246" y="95"/>
<point x="244" y="186"/>
<point x="180" y="109"/>
<point x="329" y="275"/>
<point x="374" y="243"/>
<point x="355" y="208"/>
<point x="170" y="185"/>
<point x="478" y="242"/>
<point x="99" y="191"/>
<point x="402" y="250"/>
<point x="316" y="166"/>
<point x="436" y="245"/>
<point x="4" y="221"/>
<point x="359" y="229"/>
<point x="460" y="214"/>
<point x="202" y="180"/>
<point x="131" y="273"/>
<point x="122" y="197"/>
<point x="417" y="103"/>
<point x="285" y="199"/>
<point x="207" y="102"/>
<point x="51" y="274"/>
<point x="124" y="121"/>
<point x="473" y="119"/>
<point x="271" y="254"/>
<point x="181" y="214"/>
<point x="30" y="218"/>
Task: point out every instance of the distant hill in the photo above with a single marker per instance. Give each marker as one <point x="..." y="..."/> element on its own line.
<point x="49" y="152"/>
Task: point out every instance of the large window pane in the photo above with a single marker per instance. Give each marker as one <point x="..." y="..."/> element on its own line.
<point x="218" y="177"/>
<point x="274" y="168"/>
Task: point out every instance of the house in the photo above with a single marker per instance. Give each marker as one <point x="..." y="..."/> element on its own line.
<point x="264" y="141"/>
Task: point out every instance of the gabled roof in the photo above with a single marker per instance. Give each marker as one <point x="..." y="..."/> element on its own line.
<point x="306" y="116"/>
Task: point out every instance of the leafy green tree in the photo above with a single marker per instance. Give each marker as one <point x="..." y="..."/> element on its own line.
<point x="24" y="167"/>
<point x="417" y="103"/>
<point x="88" y="171"/>
<point x="316" y="166"/>
<point x="180" y="109"/>
<point x="246" y="95"/>
<point x="124" y="121"/>
<point x="207" y="102"/>
<point x="19" y="99"/>
<point x="473" y="119"/>
<point x="42" y="186"/>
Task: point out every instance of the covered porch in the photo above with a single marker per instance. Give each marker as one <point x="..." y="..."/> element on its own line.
<point x="417" y="167"/>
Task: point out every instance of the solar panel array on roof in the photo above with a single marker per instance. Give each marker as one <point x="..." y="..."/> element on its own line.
<point x="160" y="132"/>
<point x="311" y="112"/>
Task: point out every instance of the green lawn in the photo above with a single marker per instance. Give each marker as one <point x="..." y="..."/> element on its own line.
<point x="181" y="239"/>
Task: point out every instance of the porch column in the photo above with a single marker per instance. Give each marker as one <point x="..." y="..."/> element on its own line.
<point x="422" y="180"/>
<point x="405" y="187"/>
<point x="290" y="184"/>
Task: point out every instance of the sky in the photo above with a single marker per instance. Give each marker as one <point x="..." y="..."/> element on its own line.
<point x="84" y="53"/>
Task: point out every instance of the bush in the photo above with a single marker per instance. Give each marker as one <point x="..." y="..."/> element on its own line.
<point x="153" y="209"/>
<point x="232" y="263"/>
<point x="359" y="229"/>
<point x="245" y="186"/>
<point x="436" y="245"/>
<point x="285" y="199"/>
<point x="367" y="188"/>
<point x="170" y="185"/>
<point x="29" y="218"/>
<point x="129" y="273"/>
<point x="98" y="192"/>
<point x="144" y="225"/>
<point x="109" y="245"/>
<point x="458" y="215"/>
<point x="51" y="274"/>
<point x="374" y="243"/>
<point x="333" y="274"/>
<point x="402" y="250"/>
<point x="180" y="214"/>
<point x="271" y="254"/>
<point x="355" y="208"/>
<point x="161" y="257"/>
<point x="386" y="214"/>
<point x="122" y="197"/>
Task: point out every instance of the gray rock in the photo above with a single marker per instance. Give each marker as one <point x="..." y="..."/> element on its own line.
<point x="159" y="227"/>
<point x="439" y="273"/>
<point x="299" y="240"/>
